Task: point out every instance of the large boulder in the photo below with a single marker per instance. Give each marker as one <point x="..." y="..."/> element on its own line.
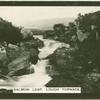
<point x="18" y="64"/>
<point x="33" y="56"/>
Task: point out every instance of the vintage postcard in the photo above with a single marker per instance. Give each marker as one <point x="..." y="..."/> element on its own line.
<point x="49" y="49"/>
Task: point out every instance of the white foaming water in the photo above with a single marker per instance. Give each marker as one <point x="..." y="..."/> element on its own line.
<point x="39" y="78"/>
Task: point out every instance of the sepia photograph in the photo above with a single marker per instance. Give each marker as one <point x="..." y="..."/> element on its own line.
<point x="50" y="49"/>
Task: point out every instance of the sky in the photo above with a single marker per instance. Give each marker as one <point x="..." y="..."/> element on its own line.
<point x="20" y="15"/>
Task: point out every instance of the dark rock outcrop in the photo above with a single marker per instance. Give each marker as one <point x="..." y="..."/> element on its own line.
<point x="18" y="64"/>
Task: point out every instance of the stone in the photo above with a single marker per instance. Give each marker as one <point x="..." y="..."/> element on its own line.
<point x="18" y="64"/>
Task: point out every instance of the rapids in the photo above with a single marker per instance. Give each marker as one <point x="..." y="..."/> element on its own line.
<point x="40" y="77"/>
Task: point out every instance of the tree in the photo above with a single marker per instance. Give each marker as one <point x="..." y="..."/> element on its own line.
<point x="9" y="32"/>
<point x="59" y="28"/>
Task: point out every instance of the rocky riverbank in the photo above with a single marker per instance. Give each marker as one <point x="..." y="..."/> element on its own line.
<point x="16" y="60"/>
<point x="70" y="69"/>
<point x="77" y="65"/>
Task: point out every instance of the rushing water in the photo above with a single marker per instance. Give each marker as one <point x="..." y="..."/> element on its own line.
<point x="39" y="78"/>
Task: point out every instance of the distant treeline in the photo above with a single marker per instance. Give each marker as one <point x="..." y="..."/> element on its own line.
<point x="37" y="31"/>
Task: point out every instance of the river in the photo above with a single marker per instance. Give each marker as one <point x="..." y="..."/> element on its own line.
<point x="40" y="77"/>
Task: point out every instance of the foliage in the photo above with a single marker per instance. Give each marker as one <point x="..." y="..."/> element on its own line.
<point x="87" y="20"/>
<point x="59" y="28"/>
<point x="9" y="32"/>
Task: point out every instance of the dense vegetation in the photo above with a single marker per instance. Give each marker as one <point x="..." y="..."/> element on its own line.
<point x="78" y="65"/>
<point x="9" y="32"/>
